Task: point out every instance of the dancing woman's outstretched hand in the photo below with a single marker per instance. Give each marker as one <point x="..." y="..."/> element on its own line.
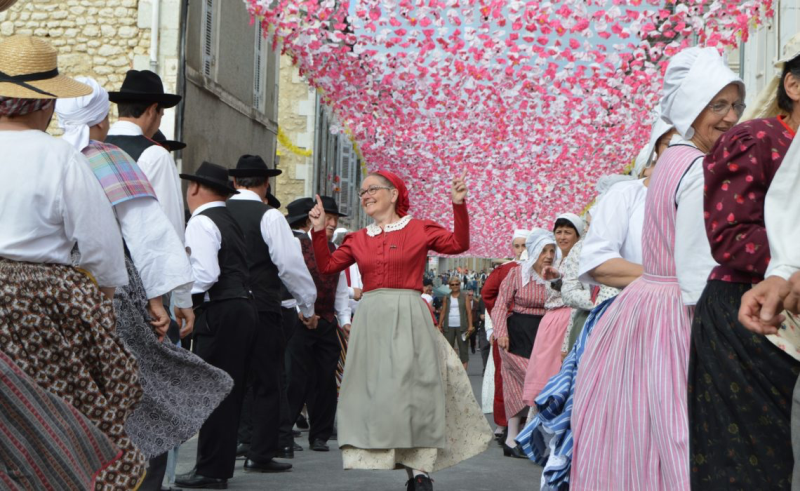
<point x="459" y="190"/>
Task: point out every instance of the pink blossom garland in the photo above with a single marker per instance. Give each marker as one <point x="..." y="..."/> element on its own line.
<point x="537" y="99"/>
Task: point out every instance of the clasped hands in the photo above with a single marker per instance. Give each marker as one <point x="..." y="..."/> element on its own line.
<point x="761" y="307"/>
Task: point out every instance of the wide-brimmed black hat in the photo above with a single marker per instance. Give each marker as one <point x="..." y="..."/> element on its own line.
<point x="171" y="145"/>
<point x="330" y="206"/>
<point x="143" y="86"/>
<point x="298" y="210"/>
<point x="212" y="175"/>
<point x="253" y="166"/>
<point x="273" y="201"/>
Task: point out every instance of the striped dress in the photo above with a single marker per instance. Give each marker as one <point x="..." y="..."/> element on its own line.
<point x="528" y="300"/>
<point x="630" y="418"/>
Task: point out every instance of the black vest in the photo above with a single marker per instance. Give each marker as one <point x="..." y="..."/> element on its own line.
<point x="234" y="277"/>
<point x="132" y="145"/>
<point x="264" y="280"/>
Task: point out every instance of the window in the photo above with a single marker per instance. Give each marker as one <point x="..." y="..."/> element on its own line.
<point x="259" y="69"/>
<point x="347" y="172"/>
<point x="209" y="38"/>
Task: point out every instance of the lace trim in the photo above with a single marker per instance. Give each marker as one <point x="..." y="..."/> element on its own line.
<point x="374" y="230"/>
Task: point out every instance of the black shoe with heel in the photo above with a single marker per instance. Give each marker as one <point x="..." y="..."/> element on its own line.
<point x="515" y="452"/>
<point x="420" y="483"/>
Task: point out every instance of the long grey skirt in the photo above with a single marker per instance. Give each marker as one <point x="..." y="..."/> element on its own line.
<point x="405" y="398"/>
<point x="180" y="389"/>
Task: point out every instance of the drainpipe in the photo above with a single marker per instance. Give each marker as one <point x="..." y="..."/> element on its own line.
<point x="154" y="28"/>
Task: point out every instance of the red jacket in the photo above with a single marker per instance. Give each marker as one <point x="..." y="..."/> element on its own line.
<point x="491" y="289"/>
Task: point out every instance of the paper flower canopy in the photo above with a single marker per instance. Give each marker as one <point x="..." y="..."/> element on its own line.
<point x="536" y="99"/>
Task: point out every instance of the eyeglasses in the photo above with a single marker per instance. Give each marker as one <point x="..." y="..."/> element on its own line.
<point x="455" y="284"/>
<point x="721" y="108"/>
<point x="371" y="190"/>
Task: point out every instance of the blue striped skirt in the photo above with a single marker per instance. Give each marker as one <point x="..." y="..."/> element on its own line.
<point x="547" y="439"/>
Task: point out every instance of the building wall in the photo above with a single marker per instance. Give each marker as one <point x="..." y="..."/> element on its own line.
<point x="223" y="117"/>
<point x="102" y="39"/>
<point x="296" y="118"/>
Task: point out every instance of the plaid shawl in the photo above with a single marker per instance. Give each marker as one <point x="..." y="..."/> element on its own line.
<point x="117" y="172"/>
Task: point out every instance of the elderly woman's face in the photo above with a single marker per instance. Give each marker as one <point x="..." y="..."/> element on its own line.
<point x="377" y="198"/>
<point x="719" y="116"/>
<point x="546" y="258"/>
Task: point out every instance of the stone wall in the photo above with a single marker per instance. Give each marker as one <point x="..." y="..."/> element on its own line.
<point x="102" y="39"/>
<point x="296" y="111"/>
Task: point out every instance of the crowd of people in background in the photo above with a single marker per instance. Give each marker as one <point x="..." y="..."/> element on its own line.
<point x="624" y="347"/>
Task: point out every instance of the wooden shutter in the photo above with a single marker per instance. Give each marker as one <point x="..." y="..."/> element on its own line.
<point x="209" y="19"/>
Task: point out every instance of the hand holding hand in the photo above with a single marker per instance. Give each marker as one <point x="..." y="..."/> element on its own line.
<point x="459" y="190"/>
<point x="185" y="318"/>
<point x="309" y="322"/>
<point x="762" y="305"/>
<point x="346" y="329"/>
<point x="317" y="215"/>
<point x="357" y="292"/>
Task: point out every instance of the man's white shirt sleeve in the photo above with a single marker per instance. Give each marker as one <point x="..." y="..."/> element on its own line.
<point x="781" y="212"/>
<point x="204" y="241"/>
<point x="159" y="167"/>
<point x="342" y="302"/>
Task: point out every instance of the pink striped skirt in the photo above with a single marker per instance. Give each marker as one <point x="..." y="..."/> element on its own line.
<point x="546" y="356"/>
<point x="630" y="419"/>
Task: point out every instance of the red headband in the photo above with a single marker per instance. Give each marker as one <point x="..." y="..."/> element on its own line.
<point x="401" y="207"/>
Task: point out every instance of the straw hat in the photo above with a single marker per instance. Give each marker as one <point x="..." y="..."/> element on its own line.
<point x="29" y="70"/>
<point x="6" y="4"/>
<point x="766" y="103"/>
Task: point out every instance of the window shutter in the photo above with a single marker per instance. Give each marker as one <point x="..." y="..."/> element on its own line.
<point x="258" y="67"/>
<point x="208" y="37"/>
<point x="345" y="175"/>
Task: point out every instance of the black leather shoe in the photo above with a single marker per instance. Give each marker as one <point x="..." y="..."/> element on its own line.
<point x="319" y="446"/>
<point x="241" y="450"/>
<point x="196" y="481"/>
<point x="422" y="483"/>
<point x="285" y="453"/>
<point x="297" y="448"/>
<point x="515" y="452"/>
<point x="270" y="466"/>
<point x="302" y="422"/>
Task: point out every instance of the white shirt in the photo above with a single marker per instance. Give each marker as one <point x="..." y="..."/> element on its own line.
<point x="616" y="230"/>
<point x="693" y="259"/>
<point x="781" y="212"/>
<point x="454" y="316"/>
<point x="355" y="282"/>
<point x="158" y="254"/>
<point x="159" y="167"/>
<point x="50" y="201"/>
<point x="428" y="299"/>
<point x="204" y="241"/>
<point x="285" y="254"/>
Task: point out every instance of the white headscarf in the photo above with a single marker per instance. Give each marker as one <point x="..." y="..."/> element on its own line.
<point x="78" y="114"/>
<point x="660" y="128"/>
<point x="693" y="77"/>
<point x="520" y="234"/>
<point x="534" y="245"/>
<point x="576" y="221"/>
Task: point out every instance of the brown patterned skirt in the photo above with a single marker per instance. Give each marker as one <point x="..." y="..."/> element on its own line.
<point x="56" y="326"/>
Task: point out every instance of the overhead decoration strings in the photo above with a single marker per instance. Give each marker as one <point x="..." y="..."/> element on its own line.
<point x="536" y="99"/>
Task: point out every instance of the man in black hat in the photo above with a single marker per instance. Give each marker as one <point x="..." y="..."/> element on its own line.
<point x="314" y="353"/>
<point x="227" y="320"/>
<point x="274" y="259"/>
<point x="141" y="102"/>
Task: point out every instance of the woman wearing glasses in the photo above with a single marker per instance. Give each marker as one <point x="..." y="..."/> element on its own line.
<point x="740" y="383"/>
<point x="405" y="400"/>
<point x="629" y="420"/>
<point x="456" y="322"/>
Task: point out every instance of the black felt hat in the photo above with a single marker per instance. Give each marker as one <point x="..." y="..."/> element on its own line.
<point x="143" y="86"/>
<point x="273" y="201"/>
<point x="171" y="145"/>
<point x="330" y="206"/>
<point x="212" y="175"/>
<point x="298" y="210"/>
<point x="253" y="166"/>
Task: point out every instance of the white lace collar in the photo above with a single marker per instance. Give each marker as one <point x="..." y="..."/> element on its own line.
<point x="374" y="230"/>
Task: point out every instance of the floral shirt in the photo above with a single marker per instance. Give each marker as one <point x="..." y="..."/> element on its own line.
<point x="738" y="173"/>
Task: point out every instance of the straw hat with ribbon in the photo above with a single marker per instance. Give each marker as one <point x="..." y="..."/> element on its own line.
<point x="29" y="70"/>
<point x="766" y="103"/>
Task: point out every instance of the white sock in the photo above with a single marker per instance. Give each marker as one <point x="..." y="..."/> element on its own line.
<point x="513" y="431"/>
<point x="419" y="473"/>
<point x="499" y="430"/>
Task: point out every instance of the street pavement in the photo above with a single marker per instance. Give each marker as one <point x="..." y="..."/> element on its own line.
<point x="489" y="471"/>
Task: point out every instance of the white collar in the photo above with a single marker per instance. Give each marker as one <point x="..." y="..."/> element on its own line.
<point x="202" y="208"/>
<point x="374" y="230"/>
<point x="246" y="194"/>
<point x="125" y="128"/>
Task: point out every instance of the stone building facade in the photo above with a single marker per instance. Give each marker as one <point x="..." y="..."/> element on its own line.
<point x="103" y="39"/>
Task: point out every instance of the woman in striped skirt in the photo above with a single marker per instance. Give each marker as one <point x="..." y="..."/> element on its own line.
<point x="630" y="413"/>
<point x="525" y="289"/>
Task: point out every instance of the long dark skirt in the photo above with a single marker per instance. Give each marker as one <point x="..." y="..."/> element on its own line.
<point x="740" y="399"/>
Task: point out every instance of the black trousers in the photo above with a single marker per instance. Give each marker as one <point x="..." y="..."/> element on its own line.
<point x="224" y="337"/>
<point x="290" y="325"/>
<point x="314" y="355"/>
<point x="156" y="469"/>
